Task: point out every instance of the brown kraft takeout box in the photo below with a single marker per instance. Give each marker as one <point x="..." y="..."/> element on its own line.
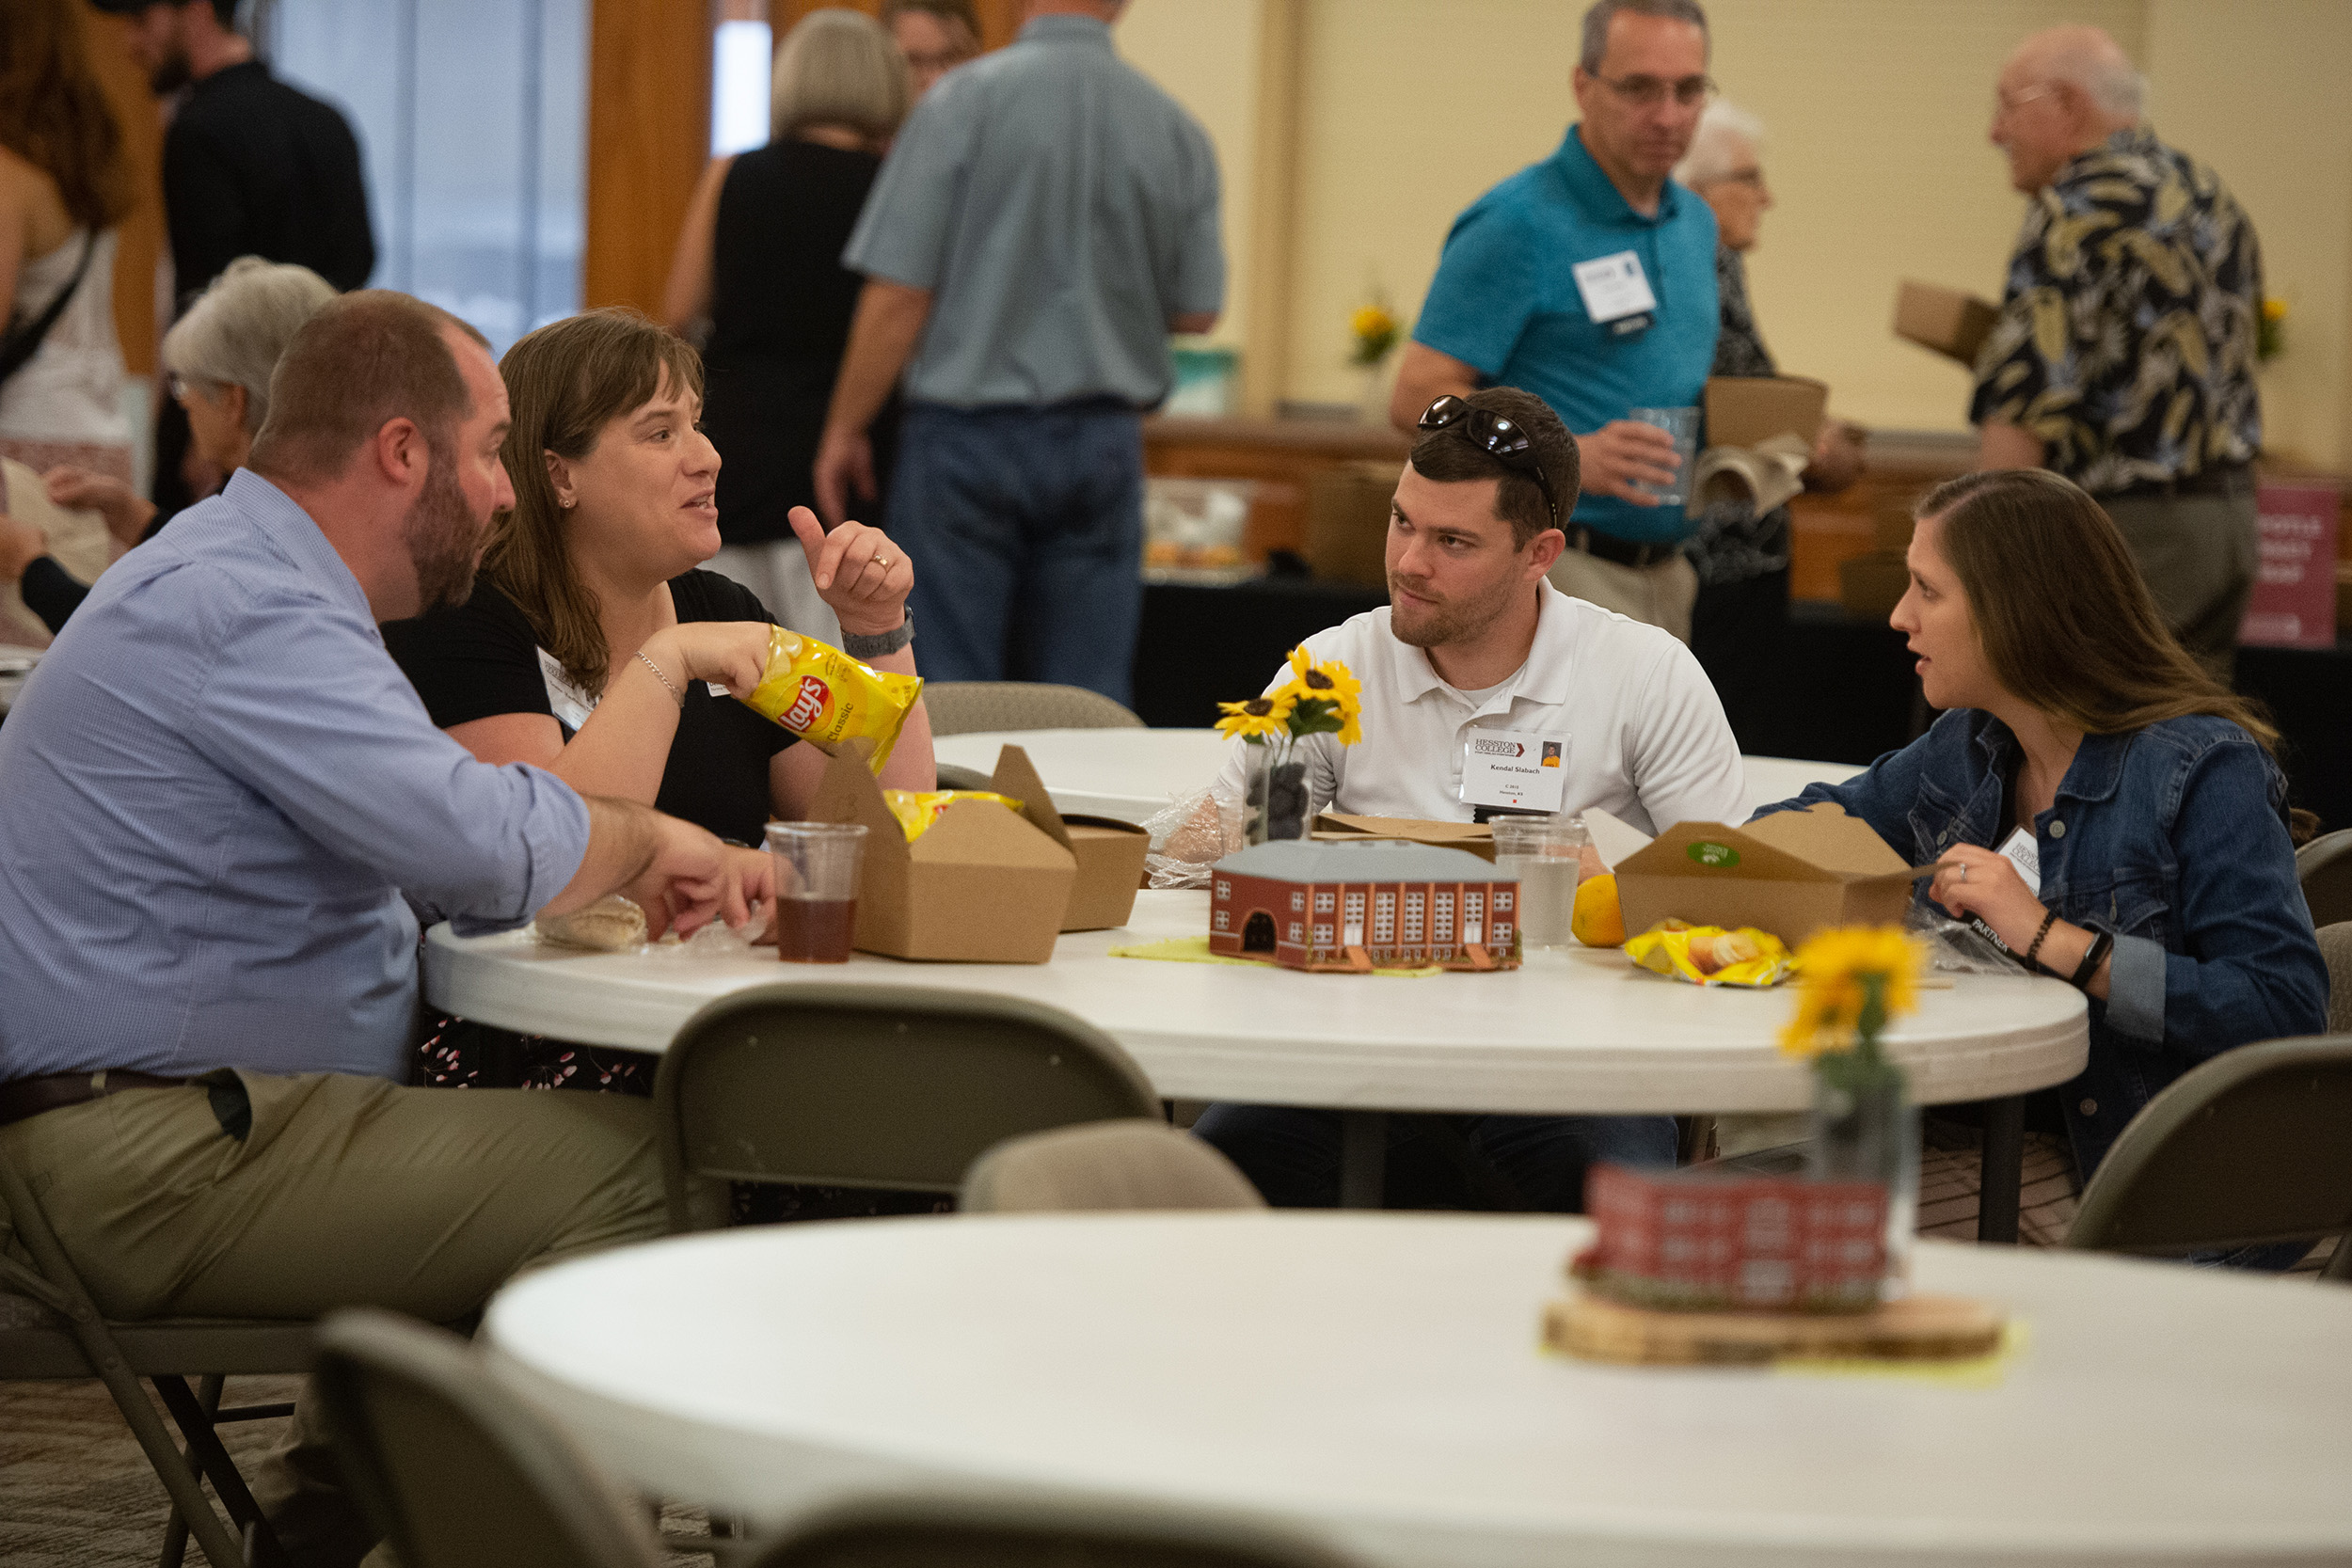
<point x="1954" y="324"/>
<point x="1749" y="410"/>
<point x="1791" y="872"/>
<point x="1109" y="852"/>
<point x="1342" y="827"/>
<point x="982" y="885"/>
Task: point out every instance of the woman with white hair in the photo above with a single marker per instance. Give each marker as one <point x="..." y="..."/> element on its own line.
<point x="217" y="359"/>
<point x="1742" y="557"/>
<point x="760" y="259"/>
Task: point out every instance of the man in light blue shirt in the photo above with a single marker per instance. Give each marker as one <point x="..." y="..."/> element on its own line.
<point x="218" y="789"/>
<point x="1045" y="218"/>
<point x="1589" y="279"/>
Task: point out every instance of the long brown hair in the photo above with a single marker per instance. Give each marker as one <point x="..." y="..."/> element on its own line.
<point x="564" y="382"/>
<point x="54" y="116"/>
<point x="2064" y="617"/>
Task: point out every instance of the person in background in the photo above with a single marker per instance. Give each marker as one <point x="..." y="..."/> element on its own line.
<point x="218" y="357"/>
<point x="935" y="35"/>
<point x="2126" y="351"/>
<point x="1043" y="222"/>
<point x="1741" y="611"/>
<point x="761" y="259"/>
<point x="1589" y="279"/>
<point x="251" y="168"/>
<point x="2095" y="799"/>
<point x="65" y="184"/>
<point x="1476" y="639"/>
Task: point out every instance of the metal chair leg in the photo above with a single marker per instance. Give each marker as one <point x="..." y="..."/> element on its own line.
<point x="175" y="1550"/>
<point x="263" y="1548"/>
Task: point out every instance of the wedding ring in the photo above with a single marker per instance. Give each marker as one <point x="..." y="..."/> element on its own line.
<point x="1963" y="871"/>
<point x="883" y="561"/>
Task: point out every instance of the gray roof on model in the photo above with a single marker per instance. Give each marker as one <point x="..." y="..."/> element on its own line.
<point x="1301" y="860"/>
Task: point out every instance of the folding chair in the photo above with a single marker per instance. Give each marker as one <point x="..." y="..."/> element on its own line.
<point x="885" y="1086"/>
<point x="2335" y="946"/>
<point x="2247" y="1149"/>
<point x="963" y="707"/>
<point x="2324" y="866"/>
<point x="455" y="1468"/>
<point x="51" y="1328"/>
<point x="917" y="1532"/>
<point x="1104" y="1166"/>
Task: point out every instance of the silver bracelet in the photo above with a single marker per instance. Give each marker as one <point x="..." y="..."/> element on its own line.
<point x="890" y="641"/>
<point x="662" y="679"/>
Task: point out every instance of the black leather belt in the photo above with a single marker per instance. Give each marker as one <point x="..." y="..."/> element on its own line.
<point x="1623" y="551"/>
<point x="2236" y="479"/>
<point x="29" y="1097"/>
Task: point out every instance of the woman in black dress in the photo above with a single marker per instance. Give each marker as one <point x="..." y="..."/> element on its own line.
<point x="760" y="261"/>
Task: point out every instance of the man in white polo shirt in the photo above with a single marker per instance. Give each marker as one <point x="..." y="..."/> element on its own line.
<point x="1476" y="644"/>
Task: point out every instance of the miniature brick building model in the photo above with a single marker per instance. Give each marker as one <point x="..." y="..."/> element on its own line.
<point x="1685" y="1241"/>
<point x="1361" y="905"/>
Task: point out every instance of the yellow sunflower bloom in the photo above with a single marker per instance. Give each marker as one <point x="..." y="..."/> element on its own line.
<point x="1832" y="971"/>
<point x="1333" y="686"/>
<point x="2274" y="309"/>
<point x="1371" y="321"/>
<point x="1257" y="719"/>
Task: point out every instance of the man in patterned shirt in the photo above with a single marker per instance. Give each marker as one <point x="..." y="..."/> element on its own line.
<point x="2124" y="355"/>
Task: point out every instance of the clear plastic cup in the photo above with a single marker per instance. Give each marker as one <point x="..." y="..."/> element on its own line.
<point x="1545" y="853"/>
<point x="1683" y="425"/>
<point x="817" y="870"/>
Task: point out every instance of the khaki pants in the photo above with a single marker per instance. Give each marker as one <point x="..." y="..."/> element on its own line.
<point x="1658" y="595"/>
<point x="346" y="1191"/>
<point x="2199" y="555"/>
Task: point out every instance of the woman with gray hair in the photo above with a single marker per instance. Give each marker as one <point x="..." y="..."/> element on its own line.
<point x="217" y="358"/>
<point x="760" y="261"/>
<point x="1742" y="557"/>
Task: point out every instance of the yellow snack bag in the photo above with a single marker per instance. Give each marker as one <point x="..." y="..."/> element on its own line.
<point x="1710" y="955"/>
<point x="825" y="697"/>
<point x="918" y="809"/>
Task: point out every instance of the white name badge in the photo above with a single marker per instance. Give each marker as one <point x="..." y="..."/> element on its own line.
<point x="1517" y="768"/>
<point x="2025" y="854"/>
<point x="1614" y="287"/>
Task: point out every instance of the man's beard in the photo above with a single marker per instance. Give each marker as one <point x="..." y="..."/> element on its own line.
<point x="442" y="535"/>
<point x="1457" y="621"/>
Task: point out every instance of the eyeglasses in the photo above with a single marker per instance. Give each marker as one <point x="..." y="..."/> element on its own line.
<point x="2008" y="103"/>
<point x="1648" y="92"/>
<point x="1751" y="177"/>
<point x="1497" y="435"/>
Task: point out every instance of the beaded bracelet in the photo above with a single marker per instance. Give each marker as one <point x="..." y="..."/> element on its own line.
<point x="2049" y="918"/>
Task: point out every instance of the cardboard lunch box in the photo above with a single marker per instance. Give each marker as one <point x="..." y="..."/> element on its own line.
<point x="1343" y="828"/>
<point x="1791" y="872"/>
<point x="1109" y="852"/>
<point x="1748" y="410"/>
<point x="1951" y="323"/>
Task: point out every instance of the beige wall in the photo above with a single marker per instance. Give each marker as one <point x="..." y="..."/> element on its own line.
<point x="1877" y="113"/>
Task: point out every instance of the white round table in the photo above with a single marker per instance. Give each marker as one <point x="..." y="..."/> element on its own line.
<point x="1375" y="1380"/>
<point x="1129" y="774"/>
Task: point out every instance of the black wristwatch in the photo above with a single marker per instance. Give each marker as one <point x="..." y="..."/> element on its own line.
<point x="883" y="642"/>
<point x="2100" y="942"/>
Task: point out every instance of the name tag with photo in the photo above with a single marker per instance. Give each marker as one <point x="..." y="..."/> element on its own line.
<point x="1516" y="769"/>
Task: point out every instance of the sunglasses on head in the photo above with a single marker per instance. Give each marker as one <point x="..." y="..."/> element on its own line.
<point x="1498" y="436"/>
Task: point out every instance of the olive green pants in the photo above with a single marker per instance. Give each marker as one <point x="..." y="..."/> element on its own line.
<point x="2199" y="555"/>
<point x="343" y="1191"/>
<point x="1658" y="595"/>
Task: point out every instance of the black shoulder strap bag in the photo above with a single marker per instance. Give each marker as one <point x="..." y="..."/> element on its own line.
<point x="24" y="335"/>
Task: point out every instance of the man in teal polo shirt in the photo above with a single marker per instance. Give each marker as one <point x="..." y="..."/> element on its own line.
<point x="1589" y="279"/>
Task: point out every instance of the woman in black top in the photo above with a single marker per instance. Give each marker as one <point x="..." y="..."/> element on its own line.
<point x="760" y="259"/>
<point x="590" y="637"/>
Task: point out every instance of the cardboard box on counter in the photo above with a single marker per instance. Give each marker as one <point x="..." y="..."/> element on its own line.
<point x="1109" y="852"/>
<point x="1341" y="828"/>
<point x="1951" y="323"/>
<point x="1791" y="872"/>
<point x="1747" y="410"/>
<point x="981" y="886"/>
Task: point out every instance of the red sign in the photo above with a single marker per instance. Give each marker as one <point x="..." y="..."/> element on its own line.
<point x="2295" y="589"/>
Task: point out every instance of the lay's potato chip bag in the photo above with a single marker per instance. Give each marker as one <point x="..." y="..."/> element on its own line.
<point x="918" y="809"/>
<point x="1710" y="955"/>
<point x="825" y="697"/>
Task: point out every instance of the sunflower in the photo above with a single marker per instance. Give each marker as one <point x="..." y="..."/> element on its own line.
<point x="1257" y="719"/>
<point x="1850" y="980"/>
<point x="1327" y="696"/>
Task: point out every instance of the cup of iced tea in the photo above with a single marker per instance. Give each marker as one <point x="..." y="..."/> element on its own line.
<point x="817" y="866"/>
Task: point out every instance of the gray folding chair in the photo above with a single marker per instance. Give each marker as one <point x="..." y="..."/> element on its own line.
<point x="51" y="1328"/>
<point x="2247" y="1149"/>
<point x="874" y="1087"/>
<point x="1104" y="1166"/>
<point x="2324" y="866"/>
<point x="917" y="1532"/>
<point x="2335" y="945"/>
<point x="965" y="707"/>
<point x="455" y="1468"/>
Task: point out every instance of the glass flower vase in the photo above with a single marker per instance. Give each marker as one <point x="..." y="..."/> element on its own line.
<point x="1278" y="807"/>
<point x="1864" y="1128"/>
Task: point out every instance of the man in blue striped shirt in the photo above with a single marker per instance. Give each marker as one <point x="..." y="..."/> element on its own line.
<point x="221" y="796"/>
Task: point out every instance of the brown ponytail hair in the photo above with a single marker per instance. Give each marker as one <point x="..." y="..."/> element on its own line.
<point x="2064" y="617"/>
<point x="54" y="116"/>
<point x="564" y="383"/>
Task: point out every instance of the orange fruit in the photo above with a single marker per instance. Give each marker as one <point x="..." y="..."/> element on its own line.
<point x="1597" y="921"/>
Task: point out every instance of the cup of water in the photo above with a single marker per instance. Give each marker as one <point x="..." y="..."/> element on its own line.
<point x="1546" y="854"/>
<point x="1683" y="425"/>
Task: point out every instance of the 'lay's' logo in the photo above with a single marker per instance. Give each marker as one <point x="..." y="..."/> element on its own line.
<point x="808" y="707"/>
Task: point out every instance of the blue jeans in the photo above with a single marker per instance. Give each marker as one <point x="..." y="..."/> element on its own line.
<point x="1026" y="529"/>
<point x="1293" y="1155"/>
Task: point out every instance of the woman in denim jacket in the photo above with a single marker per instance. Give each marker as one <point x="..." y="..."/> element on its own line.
<point x="2137" y="799"/>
